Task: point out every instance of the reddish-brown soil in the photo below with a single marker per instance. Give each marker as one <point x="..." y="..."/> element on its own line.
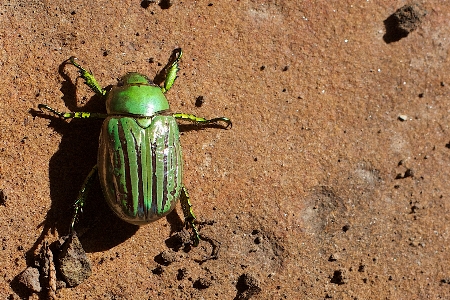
<point x="332" y="183"/>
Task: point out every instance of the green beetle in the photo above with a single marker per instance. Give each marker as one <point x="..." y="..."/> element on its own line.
<point x="139" y="159"/>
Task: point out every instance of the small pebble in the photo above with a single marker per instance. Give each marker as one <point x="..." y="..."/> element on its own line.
<point x="409" y="173"/>
<point x="202" y="283"/>
<point x="74" y="265"/>
<point x="3" y="197"/>
<point x="339" y="277"/>
<point x="30" y="278"/>
<point x="158" y="270"/>
<point x="247" y="286"/>
<point x="48" y="270"/>
<point x="199" y="101"/>
<point x="333" y="257"/>
<point x="409" y="17"/>
<point x="168" y="257"/>
<point x="184" y="237"/>
<point x="403" y="118"/>
<point x="182" y="273"/>
<point x="146" y="3"/>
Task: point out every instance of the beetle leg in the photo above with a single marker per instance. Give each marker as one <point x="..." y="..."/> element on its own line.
<point x="81" y="199"/>
<point x="189" y="216"/>
<point x="89" y="79"/>
<point x="70" y="115"/>
<point x="195" y="119"/>
<point x="172" y="70"/>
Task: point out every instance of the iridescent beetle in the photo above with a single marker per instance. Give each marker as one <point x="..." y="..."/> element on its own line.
<point x="139" y="159"/>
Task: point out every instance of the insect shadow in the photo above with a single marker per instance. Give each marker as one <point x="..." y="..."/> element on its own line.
<point x="69" y="166"/>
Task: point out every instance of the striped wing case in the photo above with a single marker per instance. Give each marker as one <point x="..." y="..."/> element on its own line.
<point x="140" y="166"/>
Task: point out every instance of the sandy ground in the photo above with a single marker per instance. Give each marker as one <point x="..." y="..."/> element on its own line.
<point x="332" y="183"/>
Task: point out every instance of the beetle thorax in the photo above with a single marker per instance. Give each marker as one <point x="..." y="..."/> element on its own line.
<point x="136" y="95"/>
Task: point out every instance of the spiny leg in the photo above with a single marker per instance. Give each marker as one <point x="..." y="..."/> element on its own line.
<point x="89" y="79"/>
<point x="92" y="83"/>
<point x="81" y="199"/>
<point x="172" y="70"/>
<point x="189" y="216"/>
<point x="192" y="118"/>
<point x="70" y="115"/>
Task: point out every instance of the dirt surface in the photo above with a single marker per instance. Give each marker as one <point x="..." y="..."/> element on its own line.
<point x="332" y="183"/>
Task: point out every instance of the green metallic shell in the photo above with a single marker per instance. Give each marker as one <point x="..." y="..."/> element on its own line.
<point x="140" y="166"/>
<point x="135" y="95"/>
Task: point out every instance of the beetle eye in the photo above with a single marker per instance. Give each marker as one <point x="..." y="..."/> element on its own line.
<point x="119" y="82"/>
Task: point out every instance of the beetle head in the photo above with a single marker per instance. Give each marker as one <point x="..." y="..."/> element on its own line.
<point x="134" y="78"/>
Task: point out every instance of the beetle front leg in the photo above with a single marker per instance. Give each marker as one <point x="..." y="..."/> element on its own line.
<point x="71" y="115"/>
<point x="189" y="216"/>
<point x="172" y="70"/>
<point x="195" y="119"/>
<point x="81" y="199"/>
<point x="89" y="79"/>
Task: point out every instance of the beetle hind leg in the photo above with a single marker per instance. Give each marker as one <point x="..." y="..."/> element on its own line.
<point x="189" y="217"/>
<point x="81" y="199"/>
